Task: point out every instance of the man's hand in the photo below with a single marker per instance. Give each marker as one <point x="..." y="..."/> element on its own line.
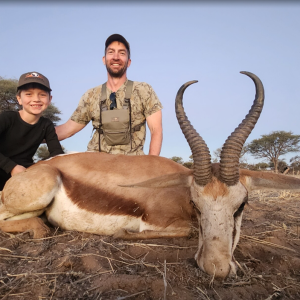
<point x="17" y="169"/>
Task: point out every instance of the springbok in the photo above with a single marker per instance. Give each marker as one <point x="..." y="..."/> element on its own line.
<point x="143" y="197"/>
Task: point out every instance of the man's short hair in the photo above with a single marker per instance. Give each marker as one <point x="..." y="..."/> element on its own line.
<point x="117" y="38"/>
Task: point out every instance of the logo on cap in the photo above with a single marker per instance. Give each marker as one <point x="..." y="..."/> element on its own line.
<point x="34" y="75"/>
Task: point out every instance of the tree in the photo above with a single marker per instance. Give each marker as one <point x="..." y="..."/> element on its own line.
<point x="42" y="153"/>
<point x="217" y="155"/>
<point x="8" y="91"/>
<point x="8" y="100"/>
<point x="272" y="146"/>
<point x="177" y="159"/>
<point x="188" y="164"/>
<point x="295" y="163"/>
<point x="281" y="165"/>
<point x="262" y="166"/>
<point x="52" y="113"/>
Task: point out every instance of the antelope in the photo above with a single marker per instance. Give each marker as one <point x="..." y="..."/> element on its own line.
<point x="145" y="197"/>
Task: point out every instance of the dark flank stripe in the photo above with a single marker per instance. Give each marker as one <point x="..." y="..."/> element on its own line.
<point x="98" y="200"/>
<point x="93" y="181"/>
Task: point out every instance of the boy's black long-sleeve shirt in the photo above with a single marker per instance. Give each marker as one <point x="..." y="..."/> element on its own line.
<point x="20" y="140"/>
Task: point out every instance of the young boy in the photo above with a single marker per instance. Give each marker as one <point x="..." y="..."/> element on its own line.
<point x="22" y="132"/>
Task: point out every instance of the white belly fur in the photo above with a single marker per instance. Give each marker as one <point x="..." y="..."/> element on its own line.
<point x="68" y="216"/>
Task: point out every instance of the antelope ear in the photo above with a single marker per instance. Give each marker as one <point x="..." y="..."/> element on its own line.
<point x="176" y="179"/>
<point x="257" y="180"/>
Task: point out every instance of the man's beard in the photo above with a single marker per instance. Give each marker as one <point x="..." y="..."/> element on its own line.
<point x="116" y="74"/>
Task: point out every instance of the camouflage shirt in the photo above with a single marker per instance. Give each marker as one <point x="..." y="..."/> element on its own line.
<point x="144" y="102"/>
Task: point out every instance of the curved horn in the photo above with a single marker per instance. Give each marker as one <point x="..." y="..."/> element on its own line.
<point x="231" y="150"/>
<point x="200" y="151"/>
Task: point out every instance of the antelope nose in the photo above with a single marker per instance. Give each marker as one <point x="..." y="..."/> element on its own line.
<point x="217" y="269"/>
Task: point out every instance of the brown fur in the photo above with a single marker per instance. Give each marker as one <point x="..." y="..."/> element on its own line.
<point x="268" y="180"/>
<point x="40" y="180"/>
<point x="92" y="181"/>
<point x="138" y="168"/>
<point x="34" y="225"/>
<point x="215" y="188"/>
<point x="97" y="199"/>
<point x="118" y="201"/>
<point x="102" y="184"/>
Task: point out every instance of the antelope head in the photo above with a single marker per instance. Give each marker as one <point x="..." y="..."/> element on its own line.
<point x="217" y="192"/>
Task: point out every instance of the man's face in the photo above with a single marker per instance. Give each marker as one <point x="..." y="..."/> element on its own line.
<point x="116" y="59"/>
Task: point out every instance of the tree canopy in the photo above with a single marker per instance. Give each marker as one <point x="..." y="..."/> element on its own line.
<point x="217" y="155"/>
<point x="177" y="159"/>
<point x="295" y="162"/>
<point x="272" y="146"/>
<point x="188" y="164"/>
<point x="8" y="91"/>
<point x="43" y="153"/>
<point x="52" y="113"/>
<point x="8" y="100"/>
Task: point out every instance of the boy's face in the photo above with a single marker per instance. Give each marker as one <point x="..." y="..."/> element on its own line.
<point x="34" y="101"/>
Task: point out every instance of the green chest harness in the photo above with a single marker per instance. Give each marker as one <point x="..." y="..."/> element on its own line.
<point x="115" y="124"/>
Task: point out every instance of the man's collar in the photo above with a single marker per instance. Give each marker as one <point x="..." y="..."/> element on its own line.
<point x="122" y="87"/>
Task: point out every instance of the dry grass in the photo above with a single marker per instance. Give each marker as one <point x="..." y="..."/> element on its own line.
<point x="72" y="265"/>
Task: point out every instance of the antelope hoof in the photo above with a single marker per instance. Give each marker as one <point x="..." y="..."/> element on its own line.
<point x="40" y="230"/>
<point x="121" y="234"/>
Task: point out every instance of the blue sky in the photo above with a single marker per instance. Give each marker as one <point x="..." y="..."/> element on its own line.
<point x="171" y="43"/>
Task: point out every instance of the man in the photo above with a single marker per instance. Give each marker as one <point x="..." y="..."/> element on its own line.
<point x="118" y="99"/>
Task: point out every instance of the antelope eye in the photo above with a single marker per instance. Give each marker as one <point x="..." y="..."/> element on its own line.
<point x="240" y="210"/>
<point x="195" y="207"/>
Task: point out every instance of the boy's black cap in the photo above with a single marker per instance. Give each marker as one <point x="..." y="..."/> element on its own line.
<point x="119" y="38"/>
<point x="36" y="77"/>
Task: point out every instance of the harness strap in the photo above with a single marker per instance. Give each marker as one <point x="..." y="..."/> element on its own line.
<point x="126" y="105"/>
<point x="102" y="101"/>
<point x="127" y="101"/>
<point x="128" y="89"/>
<point x="128" y="92"/>
<point x="103" y="92"/>
<point x="137" y="127"/>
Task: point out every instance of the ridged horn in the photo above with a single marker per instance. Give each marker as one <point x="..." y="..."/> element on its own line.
<point x="231" y="150"/>
<point x="200" y="151"/>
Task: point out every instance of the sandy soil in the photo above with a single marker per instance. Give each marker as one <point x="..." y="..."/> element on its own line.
<point x="72" y="265"/>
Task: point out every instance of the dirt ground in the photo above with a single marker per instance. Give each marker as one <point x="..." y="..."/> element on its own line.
<point x="72" y="265"/>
